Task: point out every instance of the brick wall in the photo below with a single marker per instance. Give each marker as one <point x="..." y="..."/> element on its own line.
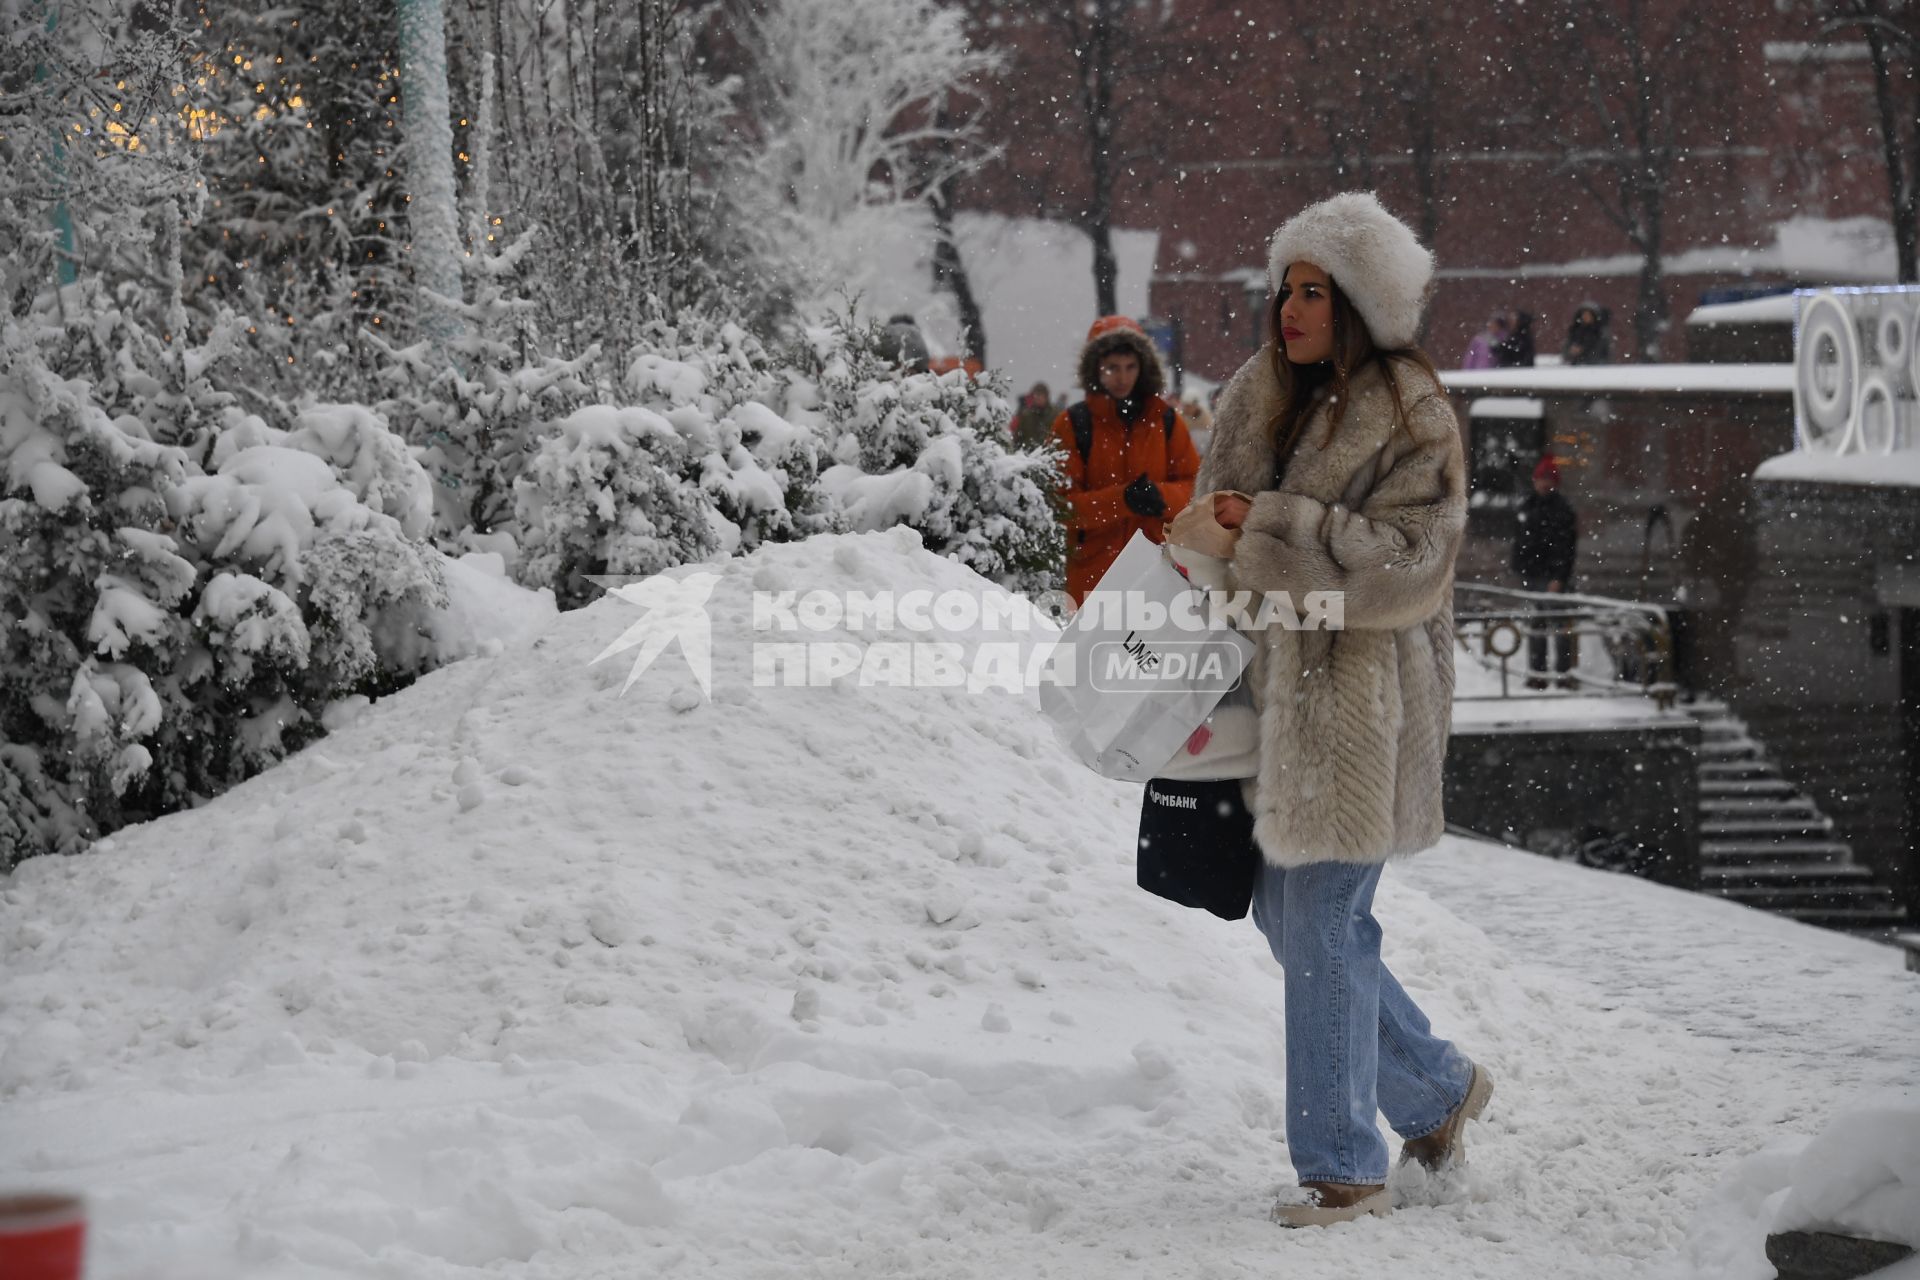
<point x="1218" y="152"/>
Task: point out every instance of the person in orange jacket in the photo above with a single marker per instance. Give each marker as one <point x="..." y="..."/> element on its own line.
<point x="1128" y="460"/>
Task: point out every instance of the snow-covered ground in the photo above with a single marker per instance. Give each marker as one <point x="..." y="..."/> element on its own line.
<point x="518" y="975"/>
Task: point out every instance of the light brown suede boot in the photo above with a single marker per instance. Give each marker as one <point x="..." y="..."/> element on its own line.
<point x="1446" y="1145"/>
<point x="1330" y="1202"/>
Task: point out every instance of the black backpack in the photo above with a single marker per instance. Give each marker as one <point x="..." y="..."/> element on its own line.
<point x="1081" y="417"/>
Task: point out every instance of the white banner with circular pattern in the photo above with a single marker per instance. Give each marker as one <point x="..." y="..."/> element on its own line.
<point x="1856" y="376"/>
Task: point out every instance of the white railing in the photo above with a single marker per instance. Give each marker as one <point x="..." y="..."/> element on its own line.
<point x="1493" y="625"/>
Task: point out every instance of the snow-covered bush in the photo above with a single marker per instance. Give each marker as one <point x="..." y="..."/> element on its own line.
<point x="477" y="417"/>
<point x="695" y="464"/>
<point x="718" y="445"/>
<point x="89" y="602"/>
<point x="930" y="451"/>
<point x="606" y="494"/>
<point x="760" y="470"/>
<point x="322" y="526"/>
<point x="176" y="613"/>
<point x="370" y="460"/>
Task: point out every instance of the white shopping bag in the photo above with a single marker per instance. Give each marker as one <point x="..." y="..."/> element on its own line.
<point x="1226" y="745"/>
<point x="1139" y="667"/>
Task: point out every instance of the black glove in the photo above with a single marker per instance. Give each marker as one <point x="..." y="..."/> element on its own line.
<point x="1144" y="498"/>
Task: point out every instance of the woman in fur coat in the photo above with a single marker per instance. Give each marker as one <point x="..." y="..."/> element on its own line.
<point x="1340" y="430"/>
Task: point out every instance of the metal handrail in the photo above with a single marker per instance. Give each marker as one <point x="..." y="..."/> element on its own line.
<point x="1493" y="624"/>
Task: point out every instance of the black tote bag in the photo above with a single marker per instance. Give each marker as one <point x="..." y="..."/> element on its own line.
<point x="1196" y="845"/>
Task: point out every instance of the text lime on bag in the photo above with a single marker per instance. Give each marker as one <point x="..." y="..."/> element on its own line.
<point x="1139" y="667"/>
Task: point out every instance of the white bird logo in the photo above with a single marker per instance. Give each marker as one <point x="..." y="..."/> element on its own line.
<point x="676" y="611"/>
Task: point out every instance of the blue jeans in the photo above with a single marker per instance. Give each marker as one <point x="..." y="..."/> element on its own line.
<point x="1356" y="1042"/>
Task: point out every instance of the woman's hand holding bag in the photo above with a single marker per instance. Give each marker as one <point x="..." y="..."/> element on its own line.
<point x="1230" y="508"/>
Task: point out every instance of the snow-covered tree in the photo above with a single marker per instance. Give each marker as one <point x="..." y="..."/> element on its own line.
<point x="90" y="138"/>
<point x="1637" y="96"/>
<point x="719" y="446"/>
<point x="432" y="218"/>
<point x="761" y="471"/>
<point x="476" y="420"/>
<point x="185" y="587"/>
<point x="297" y="128"/>
<point x="90" y="590"/>
<point x="859" y="108"/>
<point x="611" y="132"/>
<point x="1088" y="73"/>
<point x="605" y="494"/>
<point x="1891" y="32"/>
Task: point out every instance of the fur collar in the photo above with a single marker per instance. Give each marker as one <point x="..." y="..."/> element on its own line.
<point x="1242" y="453"/>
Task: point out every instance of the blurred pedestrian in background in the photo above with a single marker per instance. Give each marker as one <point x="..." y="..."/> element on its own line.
<point x="905" y="345"/>
<point x="1588" y="340"/>
<point x="1480" y="350"/>
<point x="1032" y="423"/>
<point x="1515" y="351"/>
<point x="1544" y="540"/>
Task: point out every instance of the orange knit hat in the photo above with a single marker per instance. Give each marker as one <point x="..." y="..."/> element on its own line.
<point x="1114" y="324"/>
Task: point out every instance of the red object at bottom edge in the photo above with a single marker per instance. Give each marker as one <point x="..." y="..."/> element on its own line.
<point x="42" y="1237"/>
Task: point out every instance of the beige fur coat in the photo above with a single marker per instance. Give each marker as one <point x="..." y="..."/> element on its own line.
<point x="1354" y="722"/>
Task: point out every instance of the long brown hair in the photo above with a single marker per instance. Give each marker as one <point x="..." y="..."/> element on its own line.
<point x="1353" y="349"/>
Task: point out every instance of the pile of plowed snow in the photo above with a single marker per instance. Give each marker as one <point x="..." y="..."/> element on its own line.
<point x="521" y="973"/>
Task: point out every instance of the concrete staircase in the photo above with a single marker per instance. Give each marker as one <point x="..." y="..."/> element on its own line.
<point x="1765" y="843"/>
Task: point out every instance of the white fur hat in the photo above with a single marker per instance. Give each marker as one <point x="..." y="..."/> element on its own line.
<point x="1373" y="257"/>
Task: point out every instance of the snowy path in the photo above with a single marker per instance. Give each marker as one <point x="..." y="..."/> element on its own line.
<point x="1784" y="1025"/>
<point x="519" y="976"/>
<point x="1823" y="1006"/>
